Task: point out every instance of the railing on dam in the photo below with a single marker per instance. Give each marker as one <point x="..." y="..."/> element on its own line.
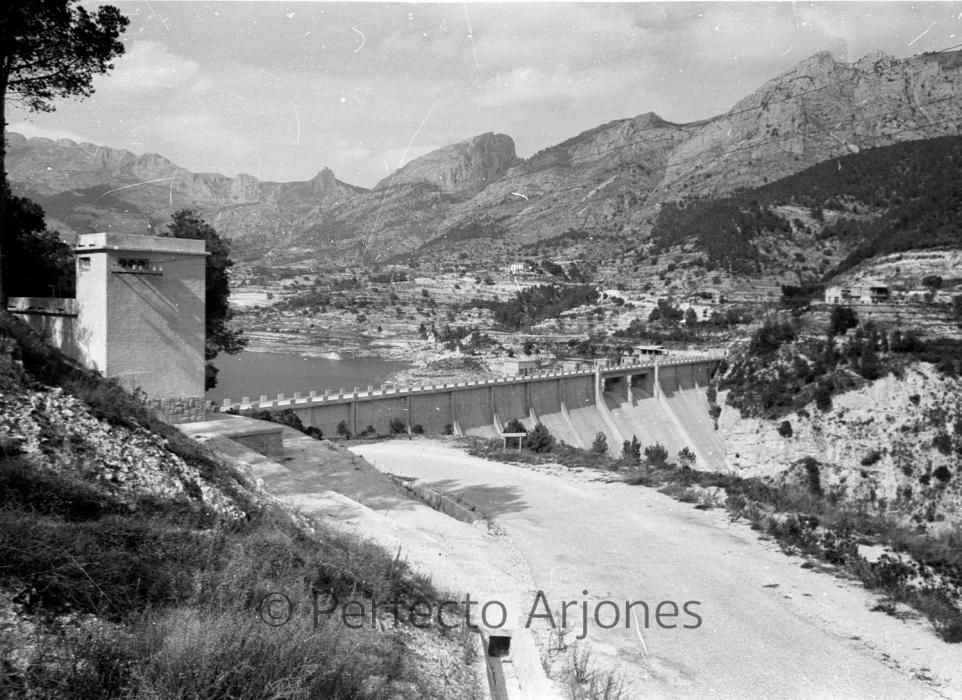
<point x="329" y="396"/>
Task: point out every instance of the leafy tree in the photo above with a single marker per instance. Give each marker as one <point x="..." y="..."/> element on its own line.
<point x="841" y="319"/>
<point x="37" y="263"/>
<point x="767" y="339"/>
<point x="187" y="223"/>
<point x="50" y="49"/>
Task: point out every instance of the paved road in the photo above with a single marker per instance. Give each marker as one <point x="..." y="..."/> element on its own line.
<point x="768" y="628"/>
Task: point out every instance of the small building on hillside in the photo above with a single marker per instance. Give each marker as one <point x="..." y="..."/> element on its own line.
<point x="865" y="292"/>
<point x="138" y="316"/>
<point x="648" y="350"/>
<point x="515" y="367"/>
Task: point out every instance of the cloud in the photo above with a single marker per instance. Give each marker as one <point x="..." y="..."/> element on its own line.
<point x="148" y="66"/>
<point x="529" y="85"/>
<point x="348" y="153"/>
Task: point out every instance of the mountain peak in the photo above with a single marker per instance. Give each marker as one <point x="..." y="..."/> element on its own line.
<point x="470" y="164"/>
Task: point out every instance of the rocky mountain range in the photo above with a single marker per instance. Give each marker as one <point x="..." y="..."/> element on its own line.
<point x="609" y="180"/>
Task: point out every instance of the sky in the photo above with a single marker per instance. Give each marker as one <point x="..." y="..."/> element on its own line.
<point x="281" y="90"/>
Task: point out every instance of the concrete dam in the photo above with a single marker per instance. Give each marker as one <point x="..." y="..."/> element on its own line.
<point x="661" y="401"/>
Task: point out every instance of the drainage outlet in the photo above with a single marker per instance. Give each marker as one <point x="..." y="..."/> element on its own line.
<point x="499" y="645"/>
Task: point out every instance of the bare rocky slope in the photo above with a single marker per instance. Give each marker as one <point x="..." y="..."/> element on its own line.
<point x="608" y="180"/>
<point x="892" y="445"/>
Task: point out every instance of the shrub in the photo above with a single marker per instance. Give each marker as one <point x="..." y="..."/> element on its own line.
<point x="448" y="429"/>
<point x="686" y="458"/>
<point x="600" y="444"/>
<point x="785" y="429"/>
<point x="539" y="439"/>
<point x="942" y="473"/>
<point x="813" y="477"/>
<point x="823" y="396"/>
<point x="343" y="430"/>
<point x="943" y="443"/>
<point x="515" y="426"/>
<point x="656" y="454"/>
<point x="767" y="339"/>
<point x="417" y="429"/>
<point x="397" y="426"/>
<point x="631" y="451"/>
<point x="871" y="458"/>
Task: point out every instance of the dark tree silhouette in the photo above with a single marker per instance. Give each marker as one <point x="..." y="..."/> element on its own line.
<point x="187" y="223"/>
<point x="50" y="49"/>
<point x="37" y="262"/>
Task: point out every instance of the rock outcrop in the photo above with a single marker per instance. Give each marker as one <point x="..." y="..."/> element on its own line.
<point x="890" y="445"/>
<point x="469" y="165"/>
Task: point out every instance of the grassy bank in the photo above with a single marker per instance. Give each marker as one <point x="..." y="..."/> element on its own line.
<point x="112" y="592"/>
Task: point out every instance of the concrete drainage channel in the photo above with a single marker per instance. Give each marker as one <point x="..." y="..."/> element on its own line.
<point x="512" y="663"/>
<point x="513" y="667"/>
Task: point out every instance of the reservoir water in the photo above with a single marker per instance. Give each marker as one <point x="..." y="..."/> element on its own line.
<point x="255" y="373"/>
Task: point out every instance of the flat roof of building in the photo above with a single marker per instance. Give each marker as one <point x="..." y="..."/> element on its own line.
<point x="132" y="242"/>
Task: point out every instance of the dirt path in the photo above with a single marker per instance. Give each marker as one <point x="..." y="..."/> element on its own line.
<point x="768" y="628"/>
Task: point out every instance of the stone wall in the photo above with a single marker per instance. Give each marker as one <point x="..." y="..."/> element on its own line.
<point x="187" y="410"/>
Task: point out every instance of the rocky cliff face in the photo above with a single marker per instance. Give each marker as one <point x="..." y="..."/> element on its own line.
<point x="893" y="444"/>
<point x="469" y="165"/>
<point x="820" y="109"/>
<point x="608" y="180"/>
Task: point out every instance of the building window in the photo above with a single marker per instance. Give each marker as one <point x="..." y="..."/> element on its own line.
<point x="134" y="264"/>
<point x="83" y="264"/>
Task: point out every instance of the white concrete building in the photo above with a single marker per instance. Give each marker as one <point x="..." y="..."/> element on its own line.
<point x="139" y="313"/>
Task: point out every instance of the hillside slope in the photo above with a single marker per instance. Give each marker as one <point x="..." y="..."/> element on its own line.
<point x="880" y="201"/>
<point x="136" y="563"/>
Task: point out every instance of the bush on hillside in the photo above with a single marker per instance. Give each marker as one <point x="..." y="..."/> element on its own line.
<point x="656" y="454"/>
<point x="539" y="439"/>
<point x="631" y="451"/>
